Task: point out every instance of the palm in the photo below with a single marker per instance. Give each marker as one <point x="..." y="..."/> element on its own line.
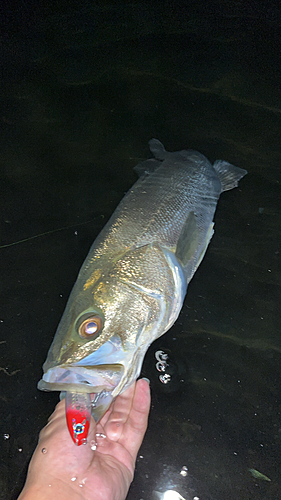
<point x="80" y="472"/>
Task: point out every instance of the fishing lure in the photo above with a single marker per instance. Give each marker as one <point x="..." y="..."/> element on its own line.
<point x="78" y="415"/>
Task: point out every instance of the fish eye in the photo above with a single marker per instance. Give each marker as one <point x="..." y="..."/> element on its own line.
<point x="90" y="328"/>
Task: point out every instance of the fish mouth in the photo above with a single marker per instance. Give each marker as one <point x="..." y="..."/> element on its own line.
<point x="99" y="381"/>
<point x="101" y="370"/>
<point x="103" y="373"/>
<point x="75" y="378"/>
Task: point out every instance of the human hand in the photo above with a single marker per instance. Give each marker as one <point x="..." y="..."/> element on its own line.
<point x="65" y="471"/>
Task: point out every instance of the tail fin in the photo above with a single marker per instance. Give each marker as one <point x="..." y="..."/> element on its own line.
<point x="228" y="174"/>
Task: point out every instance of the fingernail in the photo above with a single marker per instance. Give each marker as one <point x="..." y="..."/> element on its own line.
<point x="147" y="379"/>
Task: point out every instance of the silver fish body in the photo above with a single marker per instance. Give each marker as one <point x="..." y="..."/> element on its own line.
<point x="132" y="284"/>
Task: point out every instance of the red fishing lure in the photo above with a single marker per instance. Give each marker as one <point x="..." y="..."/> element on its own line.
<point x="78" y="415"/>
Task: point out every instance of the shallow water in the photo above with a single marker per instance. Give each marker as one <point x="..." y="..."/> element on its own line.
<point x="83" y="90"/>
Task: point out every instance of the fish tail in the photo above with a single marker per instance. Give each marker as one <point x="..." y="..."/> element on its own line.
<point x="228" y="174"/>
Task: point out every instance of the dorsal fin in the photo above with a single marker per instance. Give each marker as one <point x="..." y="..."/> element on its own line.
<point x="157" y="149"/>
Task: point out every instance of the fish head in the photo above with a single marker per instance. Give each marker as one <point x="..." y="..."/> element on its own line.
<point x="111" y="318"/>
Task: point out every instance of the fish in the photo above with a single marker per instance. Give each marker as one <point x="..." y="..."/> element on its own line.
<point x="131" y="287"/>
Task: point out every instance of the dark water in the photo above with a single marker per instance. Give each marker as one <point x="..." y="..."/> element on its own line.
<point x="83" y="89"/>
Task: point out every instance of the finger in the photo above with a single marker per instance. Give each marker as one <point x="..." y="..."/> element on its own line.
<point x="105" y="417"/>
<point x="60" y="407"/>
<point x="136" y="424"/>
<point x="56" y="420"/>
<point x="138" y="416"/>
<point x="119" y="414"/>
<point x="128" y="422"/>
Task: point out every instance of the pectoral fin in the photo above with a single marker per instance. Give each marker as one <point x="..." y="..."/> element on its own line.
<point x="189" y="240"/>
<point x="204" y="247"/>
<point x="192" y="245"/>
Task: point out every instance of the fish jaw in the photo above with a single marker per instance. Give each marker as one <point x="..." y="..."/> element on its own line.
<point x="97" y="384"/>
<point x="101" y="370"/>
<point x="102" y="381"/>
<point x="85" y="379"/>
<point x="88" y="376"/>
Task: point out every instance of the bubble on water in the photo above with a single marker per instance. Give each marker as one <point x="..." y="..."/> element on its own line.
<point x="73" y="478"/>
<point x="165" y="379"/>
<point x="161" y="367"/>
<point x="183" y="471"/>
<point x="6" y="436"/>
<point x="44" y="450"/>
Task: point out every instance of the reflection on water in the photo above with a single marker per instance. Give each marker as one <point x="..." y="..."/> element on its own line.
<point x="82" y="93"/>
<point x="169" y="495"/>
